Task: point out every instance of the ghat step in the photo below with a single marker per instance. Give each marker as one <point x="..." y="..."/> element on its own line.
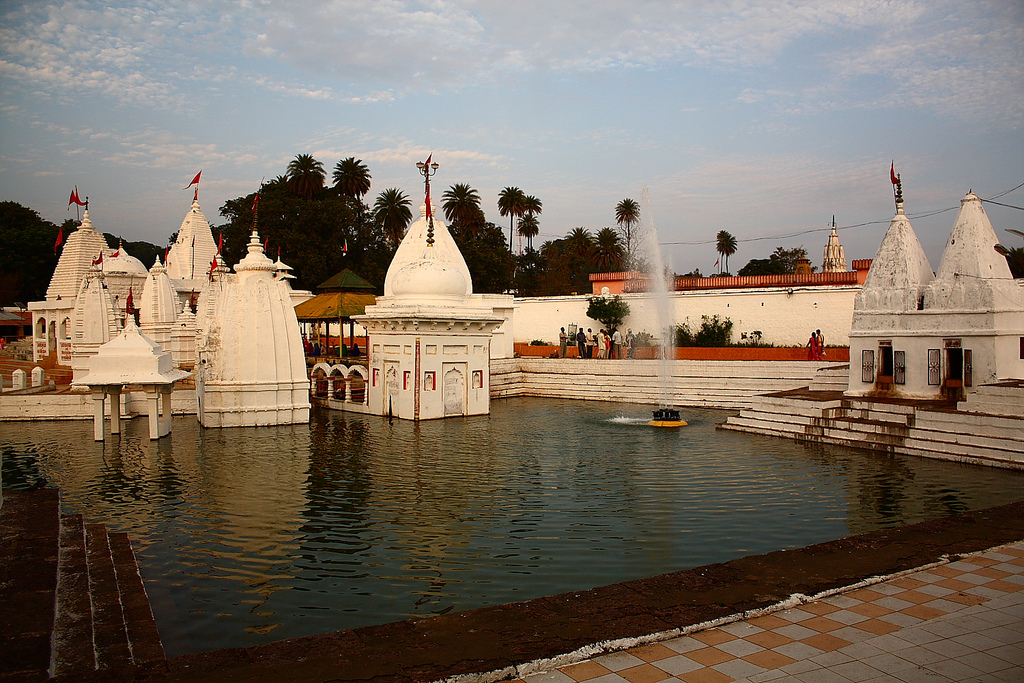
<point x="72" y="602"/>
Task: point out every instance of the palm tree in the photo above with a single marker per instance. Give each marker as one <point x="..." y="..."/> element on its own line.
<point x="461" y="204"/>
<point x="580" y="244"/>
<point x="609" y="254"/>
<point x="352" y="178"/>
<point x="305" y="176"/>
<point x="393" y="211"/>
<point x="627" y="215"/>
<point x="726" y="248"/>
<point x="510" y="203"/>
<point x="529" y="228"/>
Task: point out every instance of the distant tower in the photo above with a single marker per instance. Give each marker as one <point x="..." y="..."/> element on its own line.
<point x="835" y="255"/>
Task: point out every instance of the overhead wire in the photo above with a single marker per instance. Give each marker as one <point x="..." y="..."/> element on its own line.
<point x="808" y="231"/>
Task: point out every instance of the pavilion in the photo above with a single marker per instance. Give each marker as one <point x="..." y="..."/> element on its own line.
<point x="342" y="296"/>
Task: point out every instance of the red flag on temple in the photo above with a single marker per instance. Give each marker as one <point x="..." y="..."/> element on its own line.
<point x="129" y="305"/>
<point x="892" y="173"/>
<point x="60" y="238"/>
<point x="195" y="181"/>
<point x="75" y="198"/>
<point x="344" y="247"/>
<point x="255" y="201"/>
<point x="98" y="260"/>
<point x="220" y="243"/>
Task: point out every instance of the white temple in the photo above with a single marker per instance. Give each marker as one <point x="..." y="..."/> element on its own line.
<point x="834" y="260"/>
<point x="430" y="337"/>
<point x="925" y="336"/>
<point x="251" y="369"/>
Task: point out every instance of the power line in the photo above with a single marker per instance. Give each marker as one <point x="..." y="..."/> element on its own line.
<point x="926" y="214"/>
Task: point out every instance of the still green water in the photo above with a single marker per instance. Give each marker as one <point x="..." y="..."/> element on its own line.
<point x="249" y="535"/>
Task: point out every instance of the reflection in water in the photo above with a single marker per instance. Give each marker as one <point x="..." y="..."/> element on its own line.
<point x="250" y="534"/>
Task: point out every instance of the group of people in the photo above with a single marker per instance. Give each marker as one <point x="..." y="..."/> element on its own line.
<point x="600" y="344"/>
<point x="816" y="346"/>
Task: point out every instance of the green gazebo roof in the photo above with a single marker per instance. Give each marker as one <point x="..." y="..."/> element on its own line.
<point x="345" y="281"/>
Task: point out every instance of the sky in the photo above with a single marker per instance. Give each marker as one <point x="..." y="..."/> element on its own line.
<point x="763" y="119"/>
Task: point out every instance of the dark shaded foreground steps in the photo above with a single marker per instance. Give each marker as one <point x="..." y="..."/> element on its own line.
<point x="72" y="603"/>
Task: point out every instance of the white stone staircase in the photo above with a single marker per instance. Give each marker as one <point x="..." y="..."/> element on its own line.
<point x="929" y="429"/>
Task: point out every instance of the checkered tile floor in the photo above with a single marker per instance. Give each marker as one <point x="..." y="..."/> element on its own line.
<point x="959" y="621"/>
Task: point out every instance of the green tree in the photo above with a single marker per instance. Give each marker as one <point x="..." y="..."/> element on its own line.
<point x="461" y="204"/>
<point x="488" y="259"/>
<point x="627" y="216"/>
<point x="393" y="212"/>
<point x="726" y="247"/>
<point x="529" y="228"/>
<point x="27" y="260"/>
<point x="609" y="312"/>
<point x="609" y="254"/>
<point x="311" y="235"/>
<point x="780" y="262"/>
<point x="306" y="176"/>
<point x="511" y="203"/>
<point x="352" y="178"/>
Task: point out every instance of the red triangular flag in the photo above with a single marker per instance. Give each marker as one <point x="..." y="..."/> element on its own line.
<point x="279" y="253"/>
<point x="220" y="243"/>
<point x="129" y="305"/>
<point x="195" y="181"/>
<point x="892" y="173"/>
<point x="60" y="238"/>
<point x="266" y="242"/>
<point x="75" y="199"/>
<point x="117" y="254"/>
<point x="344" y="247"/>
<point x="255" y="201"/>
<point x="98" y="260"/>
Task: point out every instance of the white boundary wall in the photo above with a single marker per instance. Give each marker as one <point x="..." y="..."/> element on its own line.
<point x="784" y="316"/>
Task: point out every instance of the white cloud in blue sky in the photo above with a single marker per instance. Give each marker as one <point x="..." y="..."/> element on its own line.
<point x="761" y="118"/>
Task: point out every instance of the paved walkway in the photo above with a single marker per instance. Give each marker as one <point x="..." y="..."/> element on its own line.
<point x="959" y="621"/>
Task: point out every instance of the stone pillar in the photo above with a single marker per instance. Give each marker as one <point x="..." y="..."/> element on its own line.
<point x="165" y="413"/>
<point x="115" y="409"/>
<point x="18" y="379"/>
<point x="153" y="403"/>
<point x="98" y="396"/>
<point x="38" y="376"/>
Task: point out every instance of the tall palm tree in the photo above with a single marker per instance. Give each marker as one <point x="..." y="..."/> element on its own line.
<point x="461" y="204"/>
<point x="579" y="243"/>
<point x="609" y="254"/>
<point x="726" y="247"/>
<point x="305" y="176"/>
<point x="393" y="211"/>
<point x="510" y="203"/>
<point x="529" y="227"/>
<point x="352" y="178"/>
<point x="627" y="215"/>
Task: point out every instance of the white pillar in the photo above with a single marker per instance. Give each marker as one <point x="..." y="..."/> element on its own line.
<point x="153" y="401"/>
<point x="18" y="379"/>
<point x="115" y="410"/>
<point x="98" y="396"/>
<point x="165" y="417"/>
<point x="38" y="376"/>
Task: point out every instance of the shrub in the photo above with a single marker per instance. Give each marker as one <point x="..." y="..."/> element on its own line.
<point x="714" y="331"/>
<point x="539" y="342"/>
<point x="608" y="312"/>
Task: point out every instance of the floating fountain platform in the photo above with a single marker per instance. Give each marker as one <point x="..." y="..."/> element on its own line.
<point x="667" y="417"/>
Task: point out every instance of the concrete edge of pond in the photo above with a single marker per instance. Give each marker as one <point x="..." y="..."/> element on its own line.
<point x="492" y="643"/>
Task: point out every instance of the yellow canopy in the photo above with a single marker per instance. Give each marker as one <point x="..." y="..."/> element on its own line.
<point x="334" y="306"/>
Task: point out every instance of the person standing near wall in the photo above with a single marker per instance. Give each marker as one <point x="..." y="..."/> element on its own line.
<point x="630" y="342"/>
<point x="563" y="340"/>
<point x="581" y="343"/>
<point x="591" y="342"/>
<point x="616" y="344"/>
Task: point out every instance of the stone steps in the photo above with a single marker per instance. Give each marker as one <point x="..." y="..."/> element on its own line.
<point x="891" y="427"/>
<point x="89" y="615"/>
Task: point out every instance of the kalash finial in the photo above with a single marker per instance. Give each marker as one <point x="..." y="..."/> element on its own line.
<point x="428" y="169"/>
<point x="897" y="187"/>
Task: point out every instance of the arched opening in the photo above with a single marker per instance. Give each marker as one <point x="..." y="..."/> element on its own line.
<point x="337" y="385"/>
<point x="357" y="388"/>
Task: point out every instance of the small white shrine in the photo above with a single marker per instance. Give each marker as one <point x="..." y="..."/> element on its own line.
<point x="429" y="335"/>
<point x="924" y="336"/>
<point x="251" y="369"/>
<point x="131" y="359"/>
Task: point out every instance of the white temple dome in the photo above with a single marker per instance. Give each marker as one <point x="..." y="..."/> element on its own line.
<point x="120" y="261"/>
<point x="429" y="279"/>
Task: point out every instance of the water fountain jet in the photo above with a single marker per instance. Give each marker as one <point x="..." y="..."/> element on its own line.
<point x="666" y="415"/>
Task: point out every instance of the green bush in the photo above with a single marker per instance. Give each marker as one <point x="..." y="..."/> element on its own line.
<point x="714" y="331"/>
<point x="608" y="312"/>
<point x="539" y="342"/>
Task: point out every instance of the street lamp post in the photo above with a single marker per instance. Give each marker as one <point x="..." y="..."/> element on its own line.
<point x="428" y="169"/>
